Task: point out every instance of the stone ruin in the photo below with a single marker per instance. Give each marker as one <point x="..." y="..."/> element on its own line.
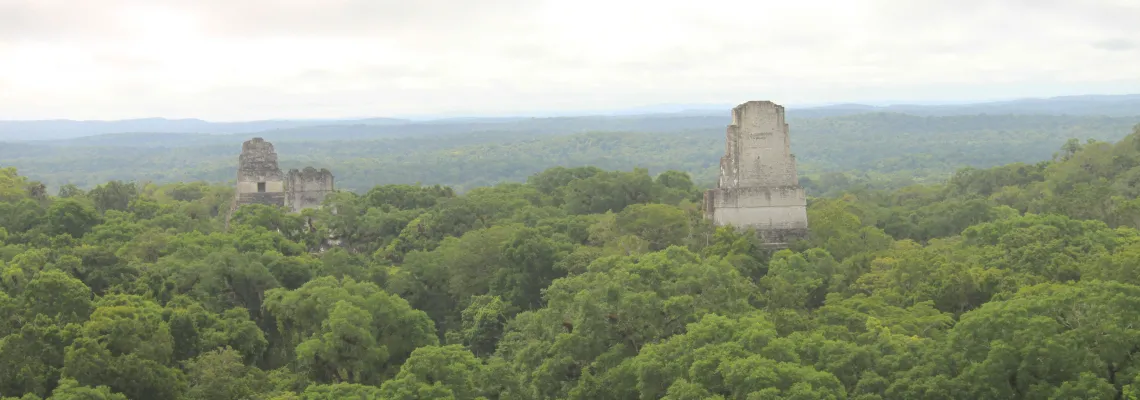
<point x="307" y="188"/>
<point x="758" y="186"/>
<point x="260" y="181"/>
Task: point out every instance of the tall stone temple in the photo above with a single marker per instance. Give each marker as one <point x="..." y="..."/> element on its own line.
<point x="259" y="180"/>
<point x="758" y="186"/>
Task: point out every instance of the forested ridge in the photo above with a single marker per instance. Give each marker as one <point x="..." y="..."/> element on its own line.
<point x="889" y="150"/>
<point x="1014" y="282"/>
<point x="1127" y="105"/>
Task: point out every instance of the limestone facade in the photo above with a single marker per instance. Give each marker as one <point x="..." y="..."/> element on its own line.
<point x="307" y="188"/>
<point x="758" y="186"/>
<point x="259" y="180"/>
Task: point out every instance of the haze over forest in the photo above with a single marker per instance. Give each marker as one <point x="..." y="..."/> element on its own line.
<point x="888" y="145"/>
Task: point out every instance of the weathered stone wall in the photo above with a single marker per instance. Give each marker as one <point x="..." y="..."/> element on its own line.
<point x="307" y="188"/>
<point x="269" y="199"/>
<point x="257" y="166"/>
<point x="758" y="151"/>
<point x="758" y="186"/>
<point x="270" y="187"/>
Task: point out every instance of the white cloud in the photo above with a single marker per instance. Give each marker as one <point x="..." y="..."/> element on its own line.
<point x="248" y="59"/>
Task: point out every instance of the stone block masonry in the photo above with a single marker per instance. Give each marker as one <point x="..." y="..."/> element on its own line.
<point x="307" y="188"/>
<point x="259" y="180"/>
<point x="758" y="186"/>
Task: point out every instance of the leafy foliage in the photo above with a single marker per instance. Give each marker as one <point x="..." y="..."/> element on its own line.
<point x="1013" y="282"/>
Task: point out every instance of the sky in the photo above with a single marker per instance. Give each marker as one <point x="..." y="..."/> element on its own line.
<point x="227" y="60"/>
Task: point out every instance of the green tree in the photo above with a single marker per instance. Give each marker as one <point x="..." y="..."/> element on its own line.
<point x="221" y="374"/>
<point x="68" y="216"/>
<point x="69" y="389"/>
<point x="128" y="347"/>
<point x="434" y="372"/>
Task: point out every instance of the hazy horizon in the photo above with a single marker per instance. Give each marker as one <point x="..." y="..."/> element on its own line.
<point x="651" y="109"/>
<point x="308" y="59"/>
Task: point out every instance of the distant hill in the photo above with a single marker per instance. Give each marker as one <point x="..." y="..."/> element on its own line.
<point x="1087" y="105"/>
<point x="640" y="118"/>
<point x="450" y="127"/>
<point x="899" y="148"/>
<point x="66" y="129"/>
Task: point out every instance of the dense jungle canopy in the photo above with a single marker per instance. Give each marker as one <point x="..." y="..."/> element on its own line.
<point x="1020" y="281"/>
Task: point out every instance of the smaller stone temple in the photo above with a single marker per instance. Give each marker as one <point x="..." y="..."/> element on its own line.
<point x="758" y="186"/>
<point x="307" y="188"/>
<point x="260" y="181"/>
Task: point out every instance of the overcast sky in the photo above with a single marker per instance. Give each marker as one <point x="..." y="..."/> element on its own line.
<point x="252" y="59"/>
